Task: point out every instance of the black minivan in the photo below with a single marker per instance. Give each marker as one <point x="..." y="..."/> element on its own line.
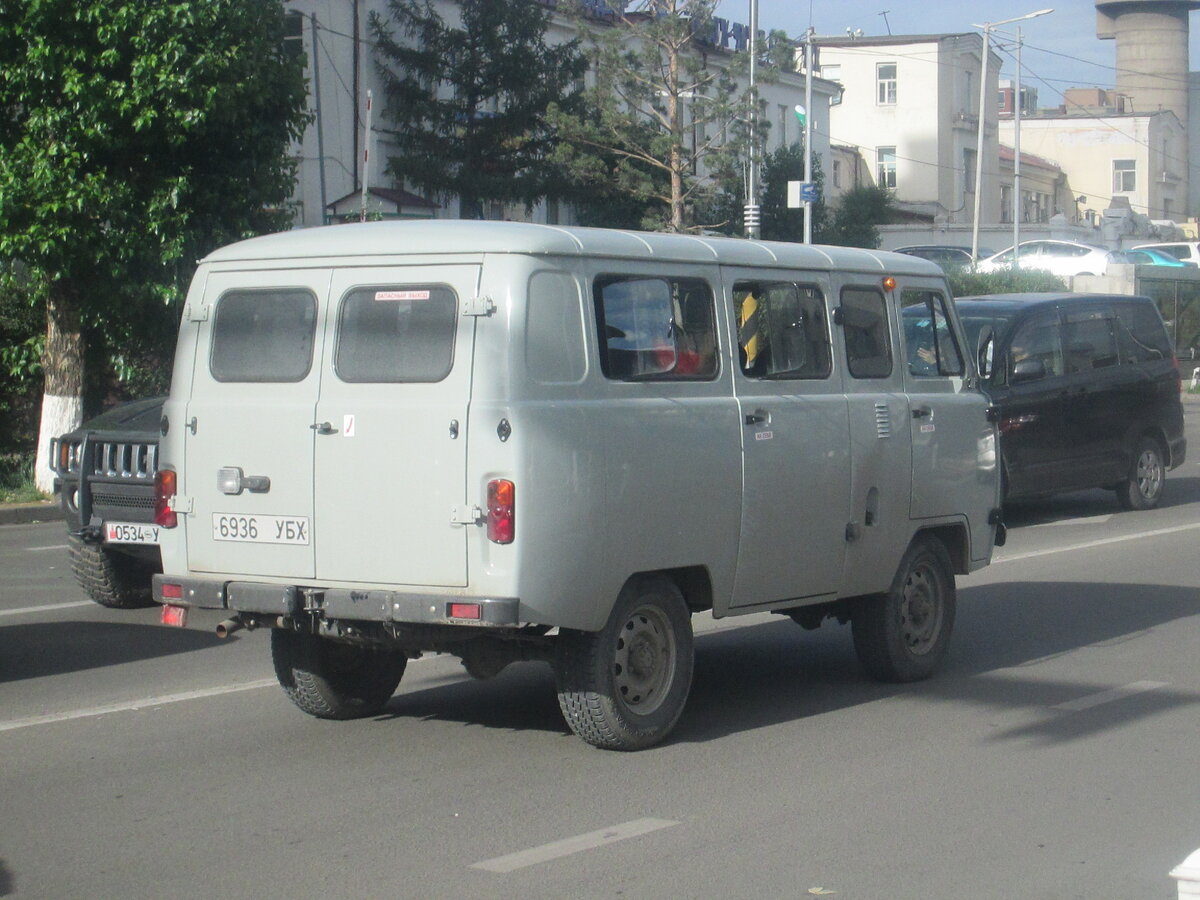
<point x="1087" y="390"/>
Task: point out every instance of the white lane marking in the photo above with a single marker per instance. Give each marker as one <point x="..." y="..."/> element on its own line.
<point x="567" y="846"/>
<point x="132" y="705"/>
<point x="25" y="610"/>
<point x="1087" y="520"/>
<point x="1098" y="543"/>
<point x="51" y="547"/>
<point x="1129" y="690"/>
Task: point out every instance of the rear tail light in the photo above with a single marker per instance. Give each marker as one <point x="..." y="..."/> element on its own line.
<point x="164" y="492"/>
<point x="176" y="616"/>
<point x="501" y="517"/>
<point x="465" y="611"/>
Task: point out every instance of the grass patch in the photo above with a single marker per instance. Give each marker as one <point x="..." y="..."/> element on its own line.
<point x="16" y="479"/>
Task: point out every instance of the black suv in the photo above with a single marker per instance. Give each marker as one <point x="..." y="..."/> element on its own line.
<point x="105" y="480"/>
<point x="1087" y="390"/>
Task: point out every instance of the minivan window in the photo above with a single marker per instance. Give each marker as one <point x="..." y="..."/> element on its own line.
<point x="1140" y="333"/>
<point x="263" y="336"/>
<point x="782" y="330"/>
<point x="1037" y="340"/>
<point x="1088" y="343"/>
<point x="396" y="333"/>
<point x="929" y="344"/>
<point x="865" y="330"/>
<point x="657" y="328"/>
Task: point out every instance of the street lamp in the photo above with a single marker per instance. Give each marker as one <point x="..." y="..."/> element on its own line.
<point x="983" y="92"/>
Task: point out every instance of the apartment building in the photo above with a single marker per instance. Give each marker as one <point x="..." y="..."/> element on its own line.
<point x="911" y="105"/>
<point x="338" y="147"/>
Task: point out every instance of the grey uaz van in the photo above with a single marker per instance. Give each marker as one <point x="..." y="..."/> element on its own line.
<point x="1087" y="391"/>
<point x="508" y="441"/>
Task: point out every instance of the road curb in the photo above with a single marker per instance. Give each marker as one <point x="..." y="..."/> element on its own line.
<point x="28" y="513"/>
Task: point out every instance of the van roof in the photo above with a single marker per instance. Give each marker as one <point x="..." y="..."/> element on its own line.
<point x="469" y="237"/>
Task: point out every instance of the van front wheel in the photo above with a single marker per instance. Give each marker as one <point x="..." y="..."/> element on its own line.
<point x="902" y="635"/>
<point x="1143" y="489"/>
<point x="625" y="686"/>
<point x="332" y="680"/>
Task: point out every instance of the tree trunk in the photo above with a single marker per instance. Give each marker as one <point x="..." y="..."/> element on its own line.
<point x="62" y="363"/>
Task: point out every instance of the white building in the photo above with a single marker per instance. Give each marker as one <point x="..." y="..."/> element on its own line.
<point x="336" y="148"/>
<point x="1138" y="158"/>
<point x="911" y="107"/>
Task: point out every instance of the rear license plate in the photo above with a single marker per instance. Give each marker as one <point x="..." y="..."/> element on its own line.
<point x="260" y="529"/>
<point x="131" y="533"/>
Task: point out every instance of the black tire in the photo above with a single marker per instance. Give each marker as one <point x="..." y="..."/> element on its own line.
<point x="332" y="680"/>
<point x="902" y="635"/>
<point x="1147" y="475"/>
<point x="109" y="578"/>
<point x="625" y="686"/>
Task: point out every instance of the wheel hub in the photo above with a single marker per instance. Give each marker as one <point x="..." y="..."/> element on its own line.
<point x="644" y="660"/>
<point x="920" y="612"/>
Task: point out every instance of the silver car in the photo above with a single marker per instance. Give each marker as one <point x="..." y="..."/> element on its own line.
<point x="1062" y="258"/>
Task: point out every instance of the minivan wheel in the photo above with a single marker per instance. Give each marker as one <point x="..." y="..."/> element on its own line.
<point x="625" y="686"/>
<point x="1143" y="489"/>
<point x="902" y="635"/>
<point x="333" y="680"/>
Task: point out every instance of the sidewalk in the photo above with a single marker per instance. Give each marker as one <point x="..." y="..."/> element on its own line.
<point x="26" y="513"/>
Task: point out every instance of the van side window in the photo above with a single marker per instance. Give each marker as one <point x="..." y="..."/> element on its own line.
<point x="1037" y="341"/>
<point x="396" y="333"/>
<point x="263" y="336"/>
<point x="782" y="330"/>
<point x="655" y="328"/>
<point x="1140" y="333"/>
<point x="929" y="345"/>
<point x="865" y="329"/>
<point x="555" y="352"/>
<point x="1089" y="342"/>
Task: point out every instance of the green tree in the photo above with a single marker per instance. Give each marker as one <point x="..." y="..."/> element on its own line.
<point x="135" y="135"/>
<point x="857" y="216"/>
<point x="667" y="119"/>
<point x="779" y="222"/>
<point x="466" y="105"/>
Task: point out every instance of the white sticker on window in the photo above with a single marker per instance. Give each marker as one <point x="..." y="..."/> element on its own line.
<point x="402" y="295"/>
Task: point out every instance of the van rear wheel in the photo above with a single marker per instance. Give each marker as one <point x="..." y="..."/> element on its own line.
<point x="902" y="635"/>
<point x="1144" y="486"/>
<point x="625" y="686"/>
<point x="332" y="680"/>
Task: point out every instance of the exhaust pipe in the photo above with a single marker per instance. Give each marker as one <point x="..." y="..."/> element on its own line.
<point x="229" y="626"/>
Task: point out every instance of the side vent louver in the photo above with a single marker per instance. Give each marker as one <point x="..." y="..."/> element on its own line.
<point x="883" y="421"/>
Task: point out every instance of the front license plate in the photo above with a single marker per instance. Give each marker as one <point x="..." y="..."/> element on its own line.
<point x="260" y="529"/>
<point x="131" y="533"/>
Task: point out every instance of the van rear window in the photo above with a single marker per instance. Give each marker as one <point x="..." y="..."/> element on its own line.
<point x="396" y="333"/>
<point x="653" y="328"/>
<point x="263" y="336"/>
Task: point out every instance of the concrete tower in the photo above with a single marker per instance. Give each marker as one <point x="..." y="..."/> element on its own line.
<point x="1152" y="51"/>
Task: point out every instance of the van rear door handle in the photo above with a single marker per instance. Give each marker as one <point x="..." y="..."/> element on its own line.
<point x="758" y="417"/>
<point x="920" y="412"/>
<point x="323" y="428"/>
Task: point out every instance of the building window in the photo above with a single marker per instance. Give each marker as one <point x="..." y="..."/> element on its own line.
<point x="885" y="167"/>
<point x="970" y="158"/>
<point x="1124" y="175"/>
<point x="885" y="78"/>
<point x="833" y="73"/>
<point x="837" y="173"/>
<point x="1006" y="193"/>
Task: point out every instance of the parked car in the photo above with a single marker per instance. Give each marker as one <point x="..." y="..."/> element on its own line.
<point x="946" y="255"/>
<point x="1087" y="391"/>
<point x="105" y="481"/>
<point x="1062" y="258"/>
<point x="1187" y="251"/>
<point x="1146" y="257"/>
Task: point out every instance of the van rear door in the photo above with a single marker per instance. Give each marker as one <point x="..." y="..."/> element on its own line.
<point x="391" y="426"/>
<point x="249" y="443"/>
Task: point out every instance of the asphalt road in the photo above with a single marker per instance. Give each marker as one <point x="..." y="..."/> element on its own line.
<point x="1055" y="756"/>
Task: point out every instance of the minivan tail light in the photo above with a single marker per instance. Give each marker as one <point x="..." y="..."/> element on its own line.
<point x="501" y="516"/>
<point x="164" y="492"/>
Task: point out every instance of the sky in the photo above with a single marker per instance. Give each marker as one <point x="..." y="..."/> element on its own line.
<point x="1060" y="49"/>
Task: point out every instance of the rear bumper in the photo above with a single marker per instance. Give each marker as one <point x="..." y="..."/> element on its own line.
<point x="1178" y="452"/>
<point x="335" y="603"/>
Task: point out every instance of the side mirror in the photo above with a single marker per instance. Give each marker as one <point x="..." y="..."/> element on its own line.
<point x="984" y="350"/>
<point x="1028" y="370"/>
